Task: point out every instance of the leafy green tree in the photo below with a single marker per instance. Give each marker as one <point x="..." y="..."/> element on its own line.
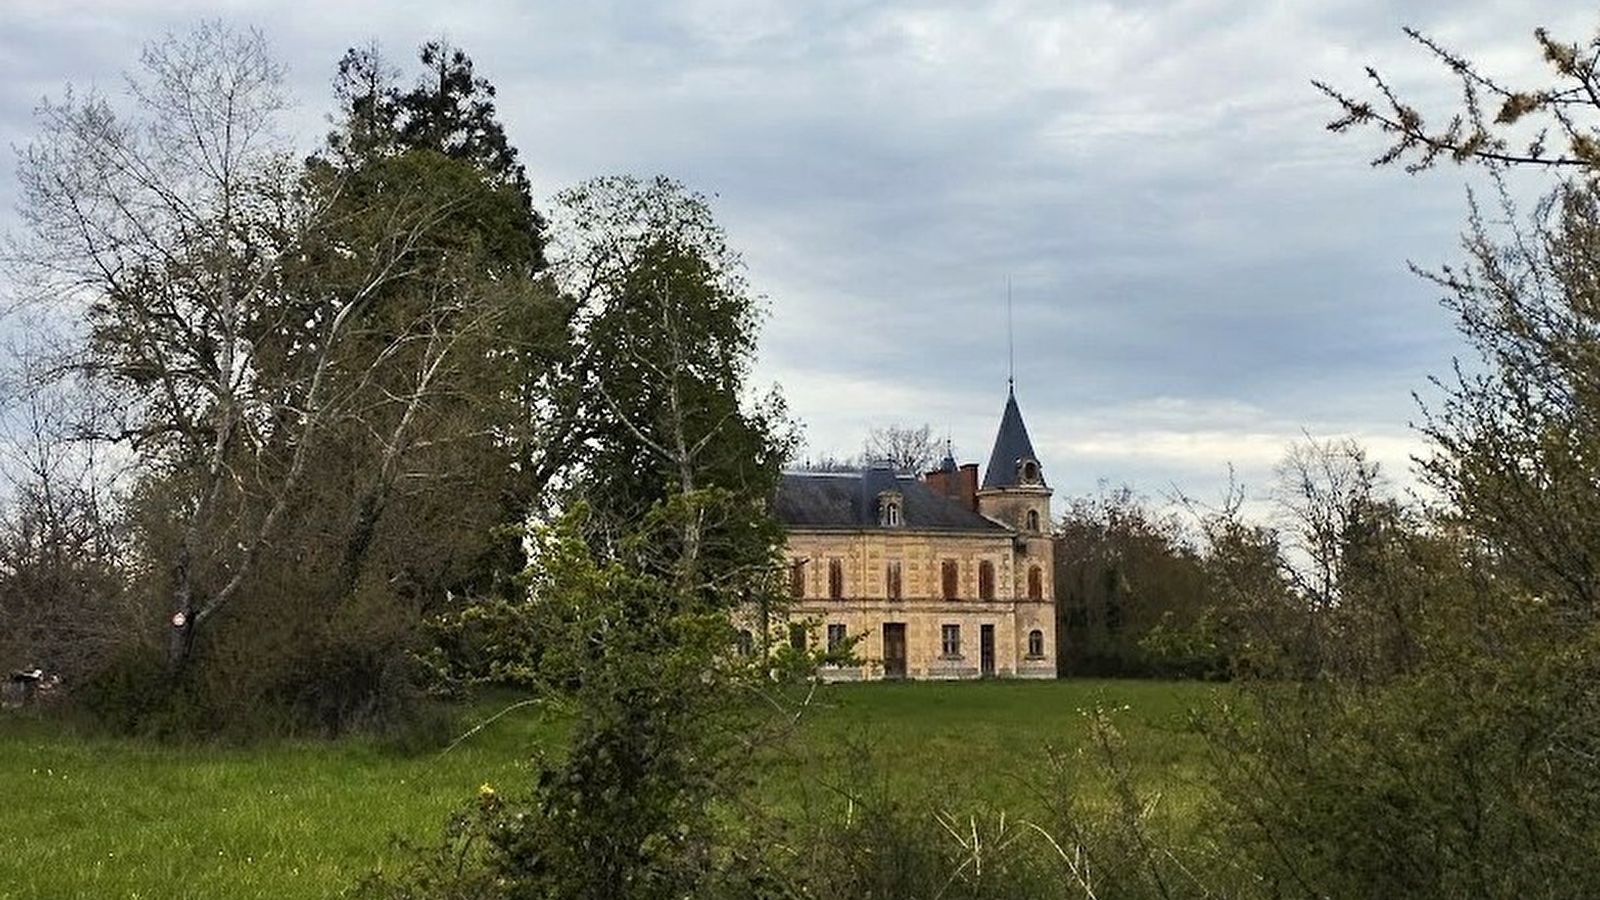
<point x="1249" y="615"/>
<point x="450" y="110"/>
<point x="668" y="533"/>
<point x="669" y="328"/>
<point x="1122" y="572"/>
<point x="664" y="726"/>
<point x="1464" y="773"/>
<point x="1516" y="434"/>
<point x="422" y="485"/>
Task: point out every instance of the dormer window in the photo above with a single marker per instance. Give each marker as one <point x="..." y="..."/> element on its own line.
<point x="890" y="506"/>
<point x="1028" y="471"/>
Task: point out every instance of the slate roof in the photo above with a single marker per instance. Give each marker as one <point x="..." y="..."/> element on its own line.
<point x="1011" y="445"/>
<point x="849" y="500"/>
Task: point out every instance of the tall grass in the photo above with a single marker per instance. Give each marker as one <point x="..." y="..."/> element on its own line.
<point x="987" y="746"/>
<point x="97" y="817"/>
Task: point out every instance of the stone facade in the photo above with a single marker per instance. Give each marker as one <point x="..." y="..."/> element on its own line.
<point x="932" y="577"/>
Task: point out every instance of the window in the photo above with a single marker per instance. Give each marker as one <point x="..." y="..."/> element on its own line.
<point x="986" y="580"/>
<point x="891" y="580"/>
<point x="889" y="508"/>
<point x="835" y="636"/>
<point x="1035" y="583"/>
<point x="950" y="640"/>
<point x="746" y="642"/>
<point x="835" y="579"/>
<point x="1036" y="643"/>
<point x="797" y="637"/>
<point x="1033" y="520"/>
<point x="1030" y="471"/>
<point x="797" y="578"/>
<point x="950" y="574"/>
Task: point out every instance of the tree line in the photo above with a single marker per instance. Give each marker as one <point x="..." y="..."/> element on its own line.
<point x="1197" y="590"/>
<point x="1418" y="718"/>
<point x="283" y="419"/>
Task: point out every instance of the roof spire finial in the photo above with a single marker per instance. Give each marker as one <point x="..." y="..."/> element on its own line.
<point x="1011" y="349"/>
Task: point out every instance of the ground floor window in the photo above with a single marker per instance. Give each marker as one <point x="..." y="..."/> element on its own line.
<point x="746" y="642"/>
<point x="1036" y="643"/>
<point x="797" y="637"/>
<point x="950" y="640"/>
<point x="835" y="636"/>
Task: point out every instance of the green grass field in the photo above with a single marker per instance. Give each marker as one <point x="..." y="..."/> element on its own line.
<point x="101" y="818"/>
<point x="986" y="745"/>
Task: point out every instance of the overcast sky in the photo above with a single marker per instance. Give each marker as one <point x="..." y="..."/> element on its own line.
<point x="1199" y="273"/>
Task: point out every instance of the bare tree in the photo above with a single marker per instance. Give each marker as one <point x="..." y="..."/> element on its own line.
<point x="911" y="450"/>
<point x="827" y="462"/>
<point x="1324" y="491"/>
<point x="168" y="226"/>
<point x="63" y="562"/>
<point x="243" y="311"/>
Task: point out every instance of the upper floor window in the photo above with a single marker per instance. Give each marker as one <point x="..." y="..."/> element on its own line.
<point x="835" y="579"/>
<point x="950" y="575"/>
<point x="1029" y="471"/>
<point x="985" y="580"/>
<point x="1035" y="583"/>
<point x="891" y="580"/>
<point x="797" y="578"/>
<point x="746" y="642"/>
<point x="1033" y="520"/>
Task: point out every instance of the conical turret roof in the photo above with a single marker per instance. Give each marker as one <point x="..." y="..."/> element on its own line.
<point x="1011" y="449"/>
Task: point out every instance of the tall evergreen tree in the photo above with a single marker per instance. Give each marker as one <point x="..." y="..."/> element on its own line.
<point x="449" y="110"/>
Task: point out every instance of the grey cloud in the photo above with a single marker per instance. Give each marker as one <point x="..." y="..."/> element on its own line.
<point x="1197" y="269"/>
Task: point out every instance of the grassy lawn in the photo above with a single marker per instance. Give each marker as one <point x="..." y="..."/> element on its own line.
<point x="125" y="819"/>
<point x="92" y="817"/>
<point x="987" y="746"/>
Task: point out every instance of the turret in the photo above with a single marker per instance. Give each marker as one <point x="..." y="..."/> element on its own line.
<point x="1014" y="491"/>
<point x="1014" y="494"/>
